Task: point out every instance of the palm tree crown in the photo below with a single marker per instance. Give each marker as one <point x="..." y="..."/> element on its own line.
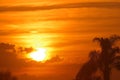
<point x="105" y="59"/>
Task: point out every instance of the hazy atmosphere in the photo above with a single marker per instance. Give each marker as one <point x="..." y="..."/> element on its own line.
<point x="51" y="39"/>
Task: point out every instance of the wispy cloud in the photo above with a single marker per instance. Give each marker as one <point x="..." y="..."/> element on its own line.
<point x="60" y="6"/>
<point x="14" y="31"/>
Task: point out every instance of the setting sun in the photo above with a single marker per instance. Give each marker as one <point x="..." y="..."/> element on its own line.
<point x="38" y="55"/>
<point x="59" y="39"/>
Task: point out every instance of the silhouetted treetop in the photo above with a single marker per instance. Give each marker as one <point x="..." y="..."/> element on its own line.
<point x="103" y="61"/>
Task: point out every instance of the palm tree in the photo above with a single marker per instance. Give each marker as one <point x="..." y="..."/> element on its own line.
<point x="105" y="59"/>
<point x="108" y="57"/>
<point x="87" y="71"/>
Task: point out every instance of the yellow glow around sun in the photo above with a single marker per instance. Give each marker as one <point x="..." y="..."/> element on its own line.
<point x="38" y="55"/>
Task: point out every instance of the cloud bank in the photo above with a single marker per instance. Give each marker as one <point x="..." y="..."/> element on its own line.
<point x="60" y="6"/>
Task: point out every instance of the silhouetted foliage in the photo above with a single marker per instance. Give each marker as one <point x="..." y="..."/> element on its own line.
<point x="101" y="61"/>
<point x="7" y="76"/>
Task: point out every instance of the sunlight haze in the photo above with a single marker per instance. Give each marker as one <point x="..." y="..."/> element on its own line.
<point x="62" y="31"/>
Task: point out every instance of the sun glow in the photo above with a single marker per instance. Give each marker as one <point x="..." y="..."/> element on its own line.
<point x="38" y="55"/>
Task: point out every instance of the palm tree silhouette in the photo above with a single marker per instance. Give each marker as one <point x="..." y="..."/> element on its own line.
<point x="88" y="70"/>
<point x="102" y="61"/>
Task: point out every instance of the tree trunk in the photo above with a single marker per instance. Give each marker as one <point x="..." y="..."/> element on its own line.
<point x="106" y="74"/>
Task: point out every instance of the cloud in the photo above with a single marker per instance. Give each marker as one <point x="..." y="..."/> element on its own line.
<point x="55" y="59"/>
<point x="60" y="6"/>
<point x="14" y="31"/>
<point x="9" y="58"/>
<point x="67" y="43"/>
<point x="54" y="72"/>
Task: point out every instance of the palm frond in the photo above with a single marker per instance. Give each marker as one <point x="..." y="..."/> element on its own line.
<point x="114" y="38"/>
<point x="98" y="39"/>
<point x="117" y="66"/>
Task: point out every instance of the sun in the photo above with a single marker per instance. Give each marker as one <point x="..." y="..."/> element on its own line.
<point x="38" y="55"/>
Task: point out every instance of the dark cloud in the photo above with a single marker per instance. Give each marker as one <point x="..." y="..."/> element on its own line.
<point x="60" y="6"/>
<point x="9" y="58"/>
<point x="55" y="59"/>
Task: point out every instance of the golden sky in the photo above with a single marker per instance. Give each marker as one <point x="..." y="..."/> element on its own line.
<point x="14" y="2"/>
<point x="64" y="28"/>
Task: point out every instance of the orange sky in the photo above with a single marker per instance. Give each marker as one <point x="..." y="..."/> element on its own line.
<point x="14" y="2"/>
<point x="65" y="28"/>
